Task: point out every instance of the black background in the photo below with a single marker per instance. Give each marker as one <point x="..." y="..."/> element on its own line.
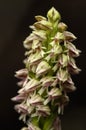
<point x="15" y="17"/>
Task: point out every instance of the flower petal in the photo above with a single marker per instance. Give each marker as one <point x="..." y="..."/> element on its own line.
<point x="21" y="74"/>
<point x="40" y="34"/>
<point x="43" y="110"/>
<point x="62" y="26"/>
<point x="69" y="36"/>
<point x="72" y="50"/>
<point x="47" y="81"/>
<point x="59" y="37"/>
<point x="21" y="108"/>
<point x="39" y="18"/>
<point x="34" y="58"/>
<point x="62" y="75"/>
<point x="43" y="25"/>
<point x="42" y="68"/>
<point x="54" y="93"/>
<point x="19" y="97"/>
<point x="72" y="67"/>
<point x="32" y="85"/>
<point x="63" y="60"/>
<point x="35" y="100"/>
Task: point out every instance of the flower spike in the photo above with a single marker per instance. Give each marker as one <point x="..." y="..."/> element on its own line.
<point x="46" y="79"/>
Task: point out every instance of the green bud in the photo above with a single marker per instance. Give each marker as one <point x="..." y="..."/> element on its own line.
<point x="53" y="15"/>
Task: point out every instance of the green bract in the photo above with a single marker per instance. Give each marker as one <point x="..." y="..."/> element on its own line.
<point x="46" y="78"/>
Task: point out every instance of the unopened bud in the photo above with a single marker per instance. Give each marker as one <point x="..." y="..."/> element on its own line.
<point x="62" y="26"/>
<point x="53" y="15"/>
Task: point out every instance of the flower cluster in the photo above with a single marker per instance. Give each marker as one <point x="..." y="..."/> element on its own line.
<point x="46" y="78"/>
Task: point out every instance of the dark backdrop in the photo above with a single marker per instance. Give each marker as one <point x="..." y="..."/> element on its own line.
<point x="15" y="17"/>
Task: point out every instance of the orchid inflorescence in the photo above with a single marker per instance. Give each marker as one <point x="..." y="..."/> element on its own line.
<point x="46" y="78"/>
